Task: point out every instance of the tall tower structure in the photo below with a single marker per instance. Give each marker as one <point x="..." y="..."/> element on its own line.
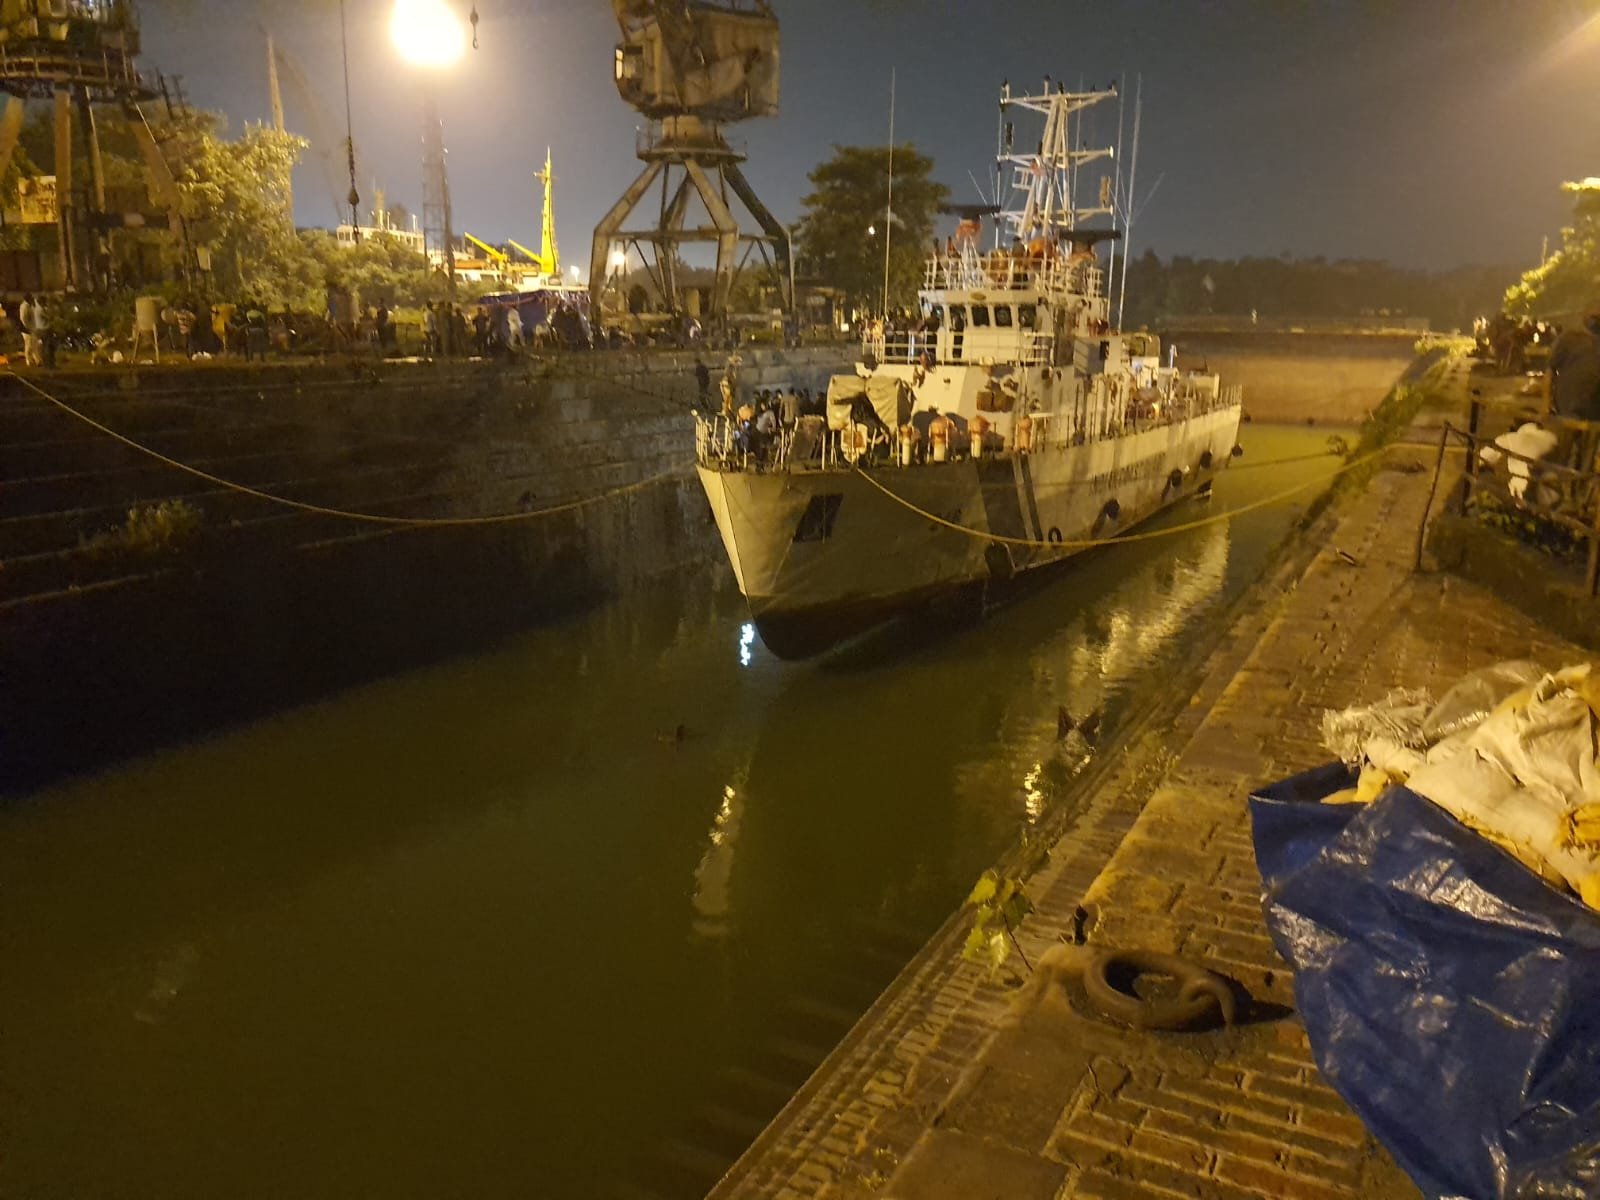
<point x="81" y="57"/>
<point x="438" y="234"/>
<point x="690" y="68"/>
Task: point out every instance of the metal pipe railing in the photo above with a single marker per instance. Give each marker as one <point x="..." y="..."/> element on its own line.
<point x="1574" y="505"/>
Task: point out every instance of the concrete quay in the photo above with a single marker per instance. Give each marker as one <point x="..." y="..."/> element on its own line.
<point x="955" y="1086"/>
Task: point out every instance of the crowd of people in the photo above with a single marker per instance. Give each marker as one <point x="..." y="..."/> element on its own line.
<point x="758" y="420"/>
<point x="1510" y="342"/>
<point x="1573" y="381"/>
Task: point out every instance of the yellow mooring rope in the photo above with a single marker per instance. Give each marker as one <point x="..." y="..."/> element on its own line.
<point x="571" y="506"/>
<point x="369" y="518"/>
<point x="1086" y="543"/>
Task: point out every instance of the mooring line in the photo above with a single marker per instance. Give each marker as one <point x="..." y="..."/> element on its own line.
<point x="344" y="514"/>
<point x="1148" y="535"/>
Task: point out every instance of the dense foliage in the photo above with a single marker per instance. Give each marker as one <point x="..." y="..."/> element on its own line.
<point x="236" y="203"/>
<point x="1568" y="282"/>
<point x="847" y="218"/>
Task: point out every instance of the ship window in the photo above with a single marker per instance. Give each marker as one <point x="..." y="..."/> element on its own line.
<point x="958" y="315"/>
<point x="1002" y="315"/>
<point x="980" y="316"/>
<point x="1027" y="316"/>
<point x="816" y="523"/>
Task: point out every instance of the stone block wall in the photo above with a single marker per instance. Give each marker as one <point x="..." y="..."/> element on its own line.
<point x="106" y="649"/>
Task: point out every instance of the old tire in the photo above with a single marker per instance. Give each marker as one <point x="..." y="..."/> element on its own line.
<point x="1203" y="996"/>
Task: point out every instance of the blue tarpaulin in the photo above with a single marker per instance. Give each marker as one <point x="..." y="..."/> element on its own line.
<point x="1451" y="996"/>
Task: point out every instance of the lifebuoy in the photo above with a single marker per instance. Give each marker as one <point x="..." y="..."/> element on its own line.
<point x="1054" y="535"/>
<point x="1238" y="451"/>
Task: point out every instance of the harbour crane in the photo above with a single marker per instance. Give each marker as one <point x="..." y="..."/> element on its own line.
<point x="326" y="146"/>
<point x="691" y="67"/>
<point x="499" y="257"/>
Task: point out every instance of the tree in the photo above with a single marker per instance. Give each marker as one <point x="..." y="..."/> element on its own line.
<point x="1569" y="280"/>
<point x="848" y="216"/>
<point x="236" y="199"/>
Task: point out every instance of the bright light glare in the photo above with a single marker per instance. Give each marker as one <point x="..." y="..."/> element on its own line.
<point x="427" y="33"/>
<point x="574" y="271"/>
<point x="619" y="259"/>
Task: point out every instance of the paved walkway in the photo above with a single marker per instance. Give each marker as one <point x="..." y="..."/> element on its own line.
<point x="955" y="1087"/>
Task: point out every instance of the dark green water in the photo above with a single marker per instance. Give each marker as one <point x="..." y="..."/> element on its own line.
<point x="479" y="931"/>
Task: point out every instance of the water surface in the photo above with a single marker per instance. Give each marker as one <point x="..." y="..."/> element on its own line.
<point x="491" y="929"/>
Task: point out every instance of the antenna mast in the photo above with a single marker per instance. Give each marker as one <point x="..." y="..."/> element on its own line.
<point x="1133" y="171"/>
<point x="888" y="213"/>
<point x="1051" y="207"/>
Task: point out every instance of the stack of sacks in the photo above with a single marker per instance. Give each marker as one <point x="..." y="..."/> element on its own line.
<point x="1521" y="771"/>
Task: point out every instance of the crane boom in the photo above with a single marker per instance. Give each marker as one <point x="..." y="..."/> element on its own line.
<point x="324" y="144"/>
<point x="498" y="256"/>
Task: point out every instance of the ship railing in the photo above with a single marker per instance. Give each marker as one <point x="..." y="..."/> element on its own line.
<point x="1010" y="271"/>
<point x="899" y="345"/>
<point x="725" y="443"/>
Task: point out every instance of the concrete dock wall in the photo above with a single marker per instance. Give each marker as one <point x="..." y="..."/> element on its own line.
<point x="108" y="647"/>
<point x="1330" y="378"/>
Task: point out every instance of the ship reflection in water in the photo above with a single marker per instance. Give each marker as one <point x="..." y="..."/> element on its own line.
<point x="468" y="930"/>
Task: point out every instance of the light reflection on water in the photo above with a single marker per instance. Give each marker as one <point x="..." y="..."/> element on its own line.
<point x="469" y="930"/>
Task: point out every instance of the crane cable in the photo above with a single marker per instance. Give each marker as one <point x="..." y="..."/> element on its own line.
<point x="321" y="510"/>
<point x="1146" y="535"/>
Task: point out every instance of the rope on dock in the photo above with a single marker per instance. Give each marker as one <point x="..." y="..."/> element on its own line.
<point x="344" y="514"/>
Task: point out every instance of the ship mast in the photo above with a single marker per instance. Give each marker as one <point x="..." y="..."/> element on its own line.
<point x="549" y="255"/>
<point x="1049" y="205"/>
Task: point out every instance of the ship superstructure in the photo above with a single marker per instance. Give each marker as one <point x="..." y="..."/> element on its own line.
<point x="1003" y="426"/>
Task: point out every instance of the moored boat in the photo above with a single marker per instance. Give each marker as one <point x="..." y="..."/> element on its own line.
<point x="1008" y="427"/>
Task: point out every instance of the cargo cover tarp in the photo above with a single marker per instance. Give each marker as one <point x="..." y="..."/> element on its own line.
<point x="1451" y="996"/>
<point x="890" y="399"/>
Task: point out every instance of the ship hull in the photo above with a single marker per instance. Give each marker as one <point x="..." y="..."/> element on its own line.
<point x="823" y="555"/>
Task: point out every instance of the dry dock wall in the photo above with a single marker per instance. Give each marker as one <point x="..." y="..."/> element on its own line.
<point x="1329" y="378"/>
<point x="109" y="647"/>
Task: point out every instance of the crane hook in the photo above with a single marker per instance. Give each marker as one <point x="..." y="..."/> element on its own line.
<point x="474" y="19"/>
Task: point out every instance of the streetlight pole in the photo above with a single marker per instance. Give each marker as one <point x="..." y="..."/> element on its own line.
<point x="354" y="198"/>
<point x="428" y="35"/>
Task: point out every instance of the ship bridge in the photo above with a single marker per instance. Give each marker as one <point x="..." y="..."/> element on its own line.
<point x="1026" y="305"/>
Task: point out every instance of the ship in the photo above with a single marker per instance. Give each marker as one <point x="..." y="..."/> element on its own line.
<point x="1003" y="427"/>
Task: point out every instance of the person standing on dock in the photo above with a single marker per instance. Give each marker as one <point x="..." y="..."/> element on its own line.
<point x="40" y="351"/>
<point x="1574" y="378"/>
<point x="430" y="330"/>
<point x="25" y="323"/>
<point x="384" y="325"/>
<point x="702" y="380"/>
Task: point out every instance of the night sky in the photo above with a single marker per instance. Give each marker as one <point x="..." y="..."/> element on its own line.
<point x="1428" y="132"/>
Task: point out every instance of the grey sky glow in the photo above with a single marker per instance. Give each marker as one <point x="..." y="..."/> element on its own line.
<point x="1427" y="132"/>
